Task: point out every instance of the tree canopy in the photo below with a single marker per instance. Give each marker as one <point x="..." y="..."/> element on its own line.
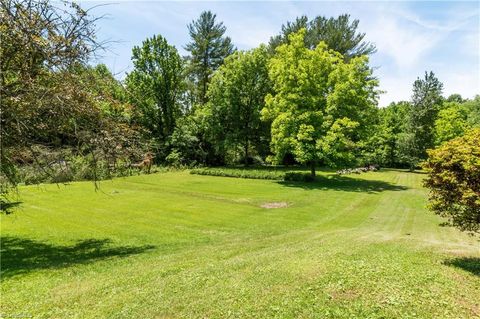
<point x="383" y="145"/>
<point x="208" y="48"/>
<point x="45" y="101"/>
<point x="454" y="181"/>
<point x="426" y="102"/>
<point x="155" y="86"/>
<point x="321" y="105"/>
<point x="237" y="95"/>
<point x="339" y="34"/>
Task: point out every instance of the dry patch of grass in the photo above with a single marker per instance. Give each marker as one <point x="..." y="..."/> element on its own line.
<point x="274" y="205"/>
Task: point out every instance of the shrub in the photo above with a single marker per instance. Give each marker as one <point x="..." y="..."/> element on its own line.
<point x="175" y="159"/>
<point x="240" y="173"/>
<point x="298" y="177"/>
<point x="260" y="173"/>
<point x="72" y="168"/>
<point x="454" y="181"/>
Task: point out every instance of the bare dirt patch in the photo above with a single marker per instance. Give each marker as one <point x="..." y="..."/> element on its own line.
<point x="274" y="205"/>
<point x="344" y="294"/>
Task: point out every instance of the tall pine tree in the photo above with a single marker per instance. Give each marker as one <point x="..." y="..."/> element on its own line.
<point x="208" y="48"/>
<point x="426" y="102"/>
<point x="340" y="34"/>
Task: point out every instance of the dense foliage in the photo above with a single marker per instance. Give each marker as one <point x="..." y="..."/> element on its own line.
<point x="419" y="135"/>
<point x="391" y="142"/>
<point x="321" y="106"/>
<point x="308" y="97"/>
<point x="51" y="99"/>
<point x="240" y="173"/>
<point x="339" y="34"/>
<point x="237" y="95"/>
<point x="455" y="118"/>
<point x="155" y="88"/>
<point x="454" y="181"/>
<point x="383" y="146"/>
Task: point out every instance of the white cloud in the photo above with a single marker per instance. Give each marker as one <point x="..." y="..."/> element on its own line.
<point x="465" y="83"/>
<point x="405" y="43"/>
<point x="398" y="86"/>
<point x="409" y="43"/>
<point x="456" y="19"/>
<point x="396" y="89"/>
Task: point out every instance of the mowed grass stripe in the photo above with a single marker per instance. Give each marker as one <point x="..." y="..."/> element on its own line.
<point x="180" y="245"/>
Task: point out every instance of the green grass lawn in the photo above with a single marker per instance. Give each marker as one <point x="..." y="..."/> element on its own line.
<point x="176" y="245"/>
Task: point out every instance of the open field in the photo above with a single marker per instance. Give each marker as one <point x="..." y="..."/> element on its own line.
<point x="177" y="245"/>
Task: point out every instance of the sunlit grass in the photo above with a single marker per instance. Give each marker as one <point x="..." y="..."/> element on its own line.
<point x="182" y="245"/>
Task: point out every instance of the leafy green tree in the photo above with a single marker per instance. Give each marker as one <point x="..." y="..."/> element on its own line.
<point x="472" y="108"/>
<point x="340" y="34"/>
<point x="383" y="144"/>
<point x="455" y="98"/>
<point x="187" y="143"/>
<point x="194" y="140"/>
<point x="451" y="122"/>
<point x="457" y="117"/>
<point x="237" y="95"/>
<point x="155" y="86"/>
<point x="454" y="181"/>
<point x="208" y="48"/>
<point x="419" y="135"/>
<point x="43" y="101"/>
<point x="321" y="106"/>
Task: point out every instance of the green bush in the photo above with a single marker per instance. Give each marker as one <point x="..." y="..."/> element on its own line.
<point x="454" y="181"/>
<point x="240" y="173"/>
<point x="271" y="174"/>
<point x="76" y="168"/>
<point x="298" y="177"/>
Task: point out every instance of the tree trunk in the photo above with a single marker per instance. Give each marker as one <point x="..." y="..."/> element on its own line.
<point x="312" y="170"/>
<point x="246" y="153"/>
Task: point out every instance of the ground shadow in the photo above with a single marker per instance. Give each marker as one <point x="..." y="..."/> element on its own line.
<point x="21" y="255"/>
<point x="8" y="207"/>
<point x="406" y="170"/>
<point x="471" y="264"/>
<point x="347" y="184"/>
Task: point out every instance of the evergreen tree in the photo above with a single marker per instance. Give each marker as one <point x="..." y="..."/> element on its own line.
<point x="208" y="48"/>
<point x="339" y="34"/>
<point x="426" y="102"/>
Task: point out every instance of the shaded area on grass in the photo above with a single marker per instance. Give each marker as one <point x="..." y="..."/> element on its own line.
<point x="288" y="173"/>
<point x="21" y="255"/>
<point x="471" y="264"/>
<point x="6" y="206"/>
<point x="347" y="184"/>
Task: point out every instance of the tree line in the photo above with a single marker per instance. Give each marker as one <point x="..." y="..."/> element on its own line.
<point x="307" y="97"/>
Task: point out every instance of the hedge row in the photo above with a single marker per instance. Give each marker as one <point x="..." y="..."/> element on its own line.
<point x="253" y="174"/>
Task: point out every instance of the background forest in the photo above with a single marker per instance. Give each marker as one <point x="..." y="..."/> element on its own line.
<point x="308" y="97"/>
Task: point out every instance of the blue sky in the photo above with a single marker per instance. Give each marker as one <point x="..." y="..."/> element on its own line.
<point x="411" y="37"/>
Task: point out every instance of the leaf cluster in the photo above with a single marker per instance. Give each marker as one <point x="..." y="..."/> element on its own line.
<point x="454" y="181"/>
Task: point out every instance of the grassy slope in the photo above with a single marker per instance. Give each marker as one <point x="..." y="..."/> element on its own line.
<point x="180" y="245"/>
